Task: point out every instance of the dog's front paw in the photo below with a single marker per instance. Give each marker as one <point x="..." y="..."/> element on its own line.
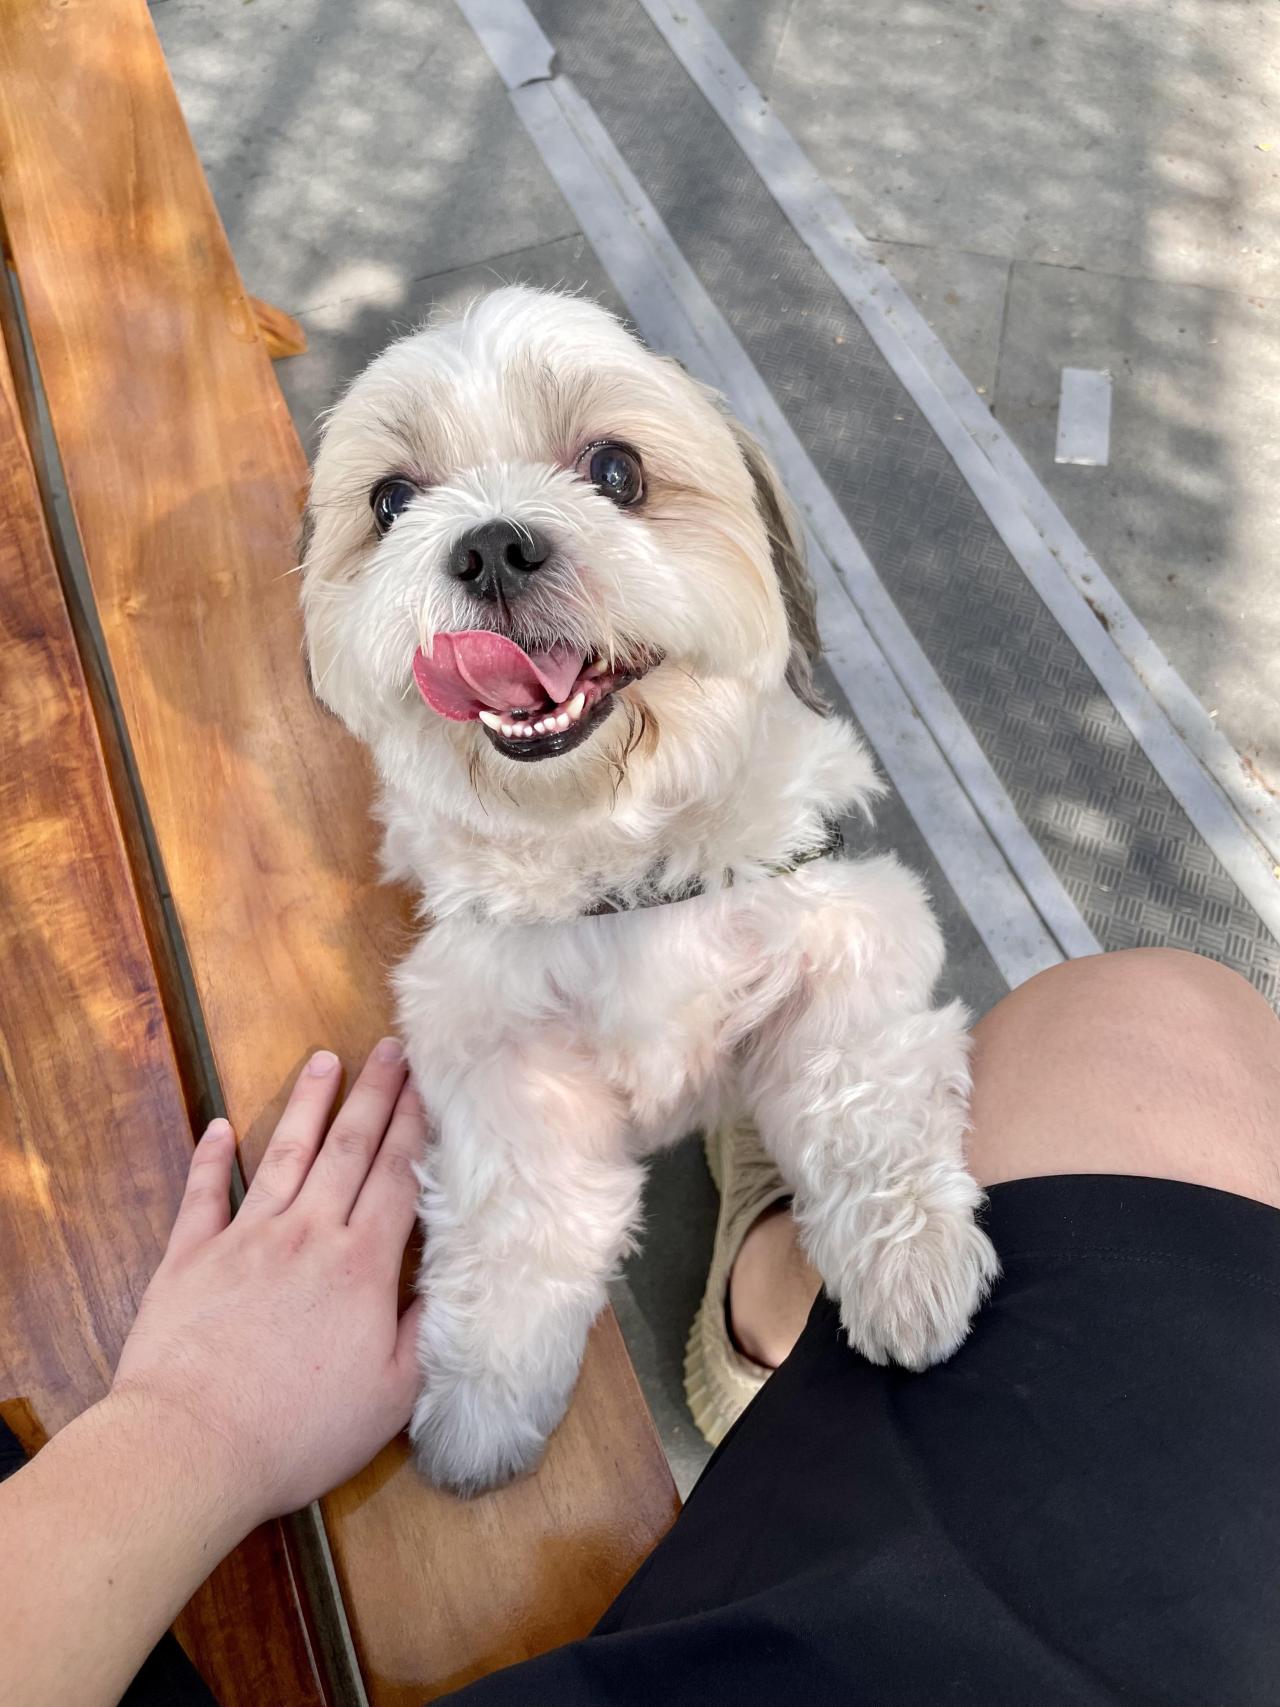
<point x="467" y="1439"/>
<point x="911" y="1297"/>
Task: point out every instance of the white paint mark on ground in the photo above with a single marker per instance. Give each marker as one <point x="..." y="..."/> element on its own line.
<point x="1084" y="417"/>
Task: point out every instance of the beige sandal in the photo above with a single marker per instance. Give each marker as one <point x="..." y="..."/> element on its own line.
<point x="719" y="1381"/>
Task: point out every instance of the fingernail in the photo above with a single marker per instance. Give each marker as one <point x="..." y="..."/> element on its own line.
<point x="218" y="1129"/>
<point x="389" y="1050"/>
<point x="322" y="1063"/>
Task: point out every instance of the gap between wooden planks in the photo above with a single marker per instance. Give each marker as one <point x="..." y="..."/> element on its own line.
<point x="186" y="477"/>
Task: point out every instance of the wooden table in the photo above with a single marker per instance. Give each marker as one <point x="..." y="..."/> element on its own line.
<point x="187" y="880"/>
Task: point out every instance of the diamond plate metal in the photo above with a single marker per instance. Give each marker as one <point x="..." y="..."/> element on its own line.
<point x="1126" y="852"/>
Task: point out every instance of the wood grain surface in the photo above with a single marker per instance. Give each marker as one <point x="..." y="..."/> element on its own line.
<point x="94" y="1138"/>
<point x="186" y="478"/>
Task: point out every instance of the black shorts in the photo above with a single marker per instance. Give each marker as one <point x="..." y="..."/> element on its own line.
<point x="1082" y="1506"/>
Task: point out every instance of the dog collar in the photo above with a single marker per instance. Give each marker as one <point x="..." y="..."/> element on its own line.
<point x="656" y="897"/>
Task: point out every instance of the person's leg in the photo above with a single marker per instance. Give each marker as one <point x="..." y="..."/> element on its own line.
<point x="772" y="1286"/>
<point x="1149" y="1061"/>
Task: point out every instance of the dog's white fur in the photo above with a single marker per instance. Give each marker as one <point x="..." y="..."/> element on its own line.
<point x="554" y="1051"/>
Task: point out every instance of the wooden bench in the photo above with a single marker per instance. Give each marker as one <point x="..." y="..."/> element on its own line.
<point x="185" y="478"/>
<point x="93" y="1127"/>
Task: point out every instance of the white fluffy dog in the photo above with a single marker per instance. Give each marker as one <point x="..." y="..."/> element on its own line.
<point x="560" y="595"/>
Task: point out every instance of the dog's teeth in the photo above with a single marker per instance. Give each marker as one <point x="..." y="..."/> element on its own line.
<point x="508" y="730"/>
<point x="574" y="708"/>
<point x="527" y="731"/>
<point x="597" y="668"/>
<point x="563" y="721"/>
<point x="491" y="720"/>
<point x="539" y="728"/>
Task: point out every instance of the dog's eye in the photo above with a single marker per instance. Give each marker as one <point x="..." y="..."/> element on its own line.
<point x="387" y="500"/>
<point x="614" y="470"/>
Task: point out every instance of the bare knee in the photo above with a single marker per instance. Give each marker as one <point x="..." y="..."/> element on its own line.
<point x="1150" y="1061"/>
<point x="1143" y="995"/>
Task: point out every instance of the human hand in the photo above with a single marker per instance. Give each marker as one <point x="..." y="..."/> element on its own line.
<point x="269" y="1343"/>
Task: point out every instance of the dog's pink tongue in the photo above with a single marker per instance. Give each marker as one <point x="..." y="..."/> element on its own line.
<point x="476" y="671"/>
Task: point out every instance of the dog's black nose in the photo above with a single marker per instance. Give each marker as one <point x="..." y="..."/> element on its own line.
<point x="496" y="559"/>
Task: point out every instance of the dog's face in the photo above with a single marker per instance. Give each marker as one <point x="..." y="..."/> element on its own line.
<point x="542" y="559"/>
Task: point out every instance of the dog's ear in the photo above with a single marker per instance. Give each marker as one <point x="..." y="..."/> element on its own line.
<point x="314" y="631"/>
<point x="786" y="548"/>
<point x="301" y="551"/>
<point x="306" y="533"/>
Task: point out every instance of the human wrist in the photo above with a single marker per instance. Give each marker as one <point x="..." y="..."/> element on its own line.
<point x="184" y="1463"/>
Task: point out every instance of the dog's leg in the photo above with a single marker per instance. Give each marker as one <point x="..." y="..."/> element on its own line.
<point x="860" y="1089"/>
<point x="529" y="1197"/>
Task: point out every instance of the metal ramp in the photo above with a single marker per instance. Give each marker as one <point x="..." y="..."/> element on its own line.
<point x="1106" y="850"/>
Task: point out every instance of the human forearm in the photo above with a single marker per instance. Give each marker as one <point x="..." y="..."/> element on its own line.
<point x="107" y="1533"/>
